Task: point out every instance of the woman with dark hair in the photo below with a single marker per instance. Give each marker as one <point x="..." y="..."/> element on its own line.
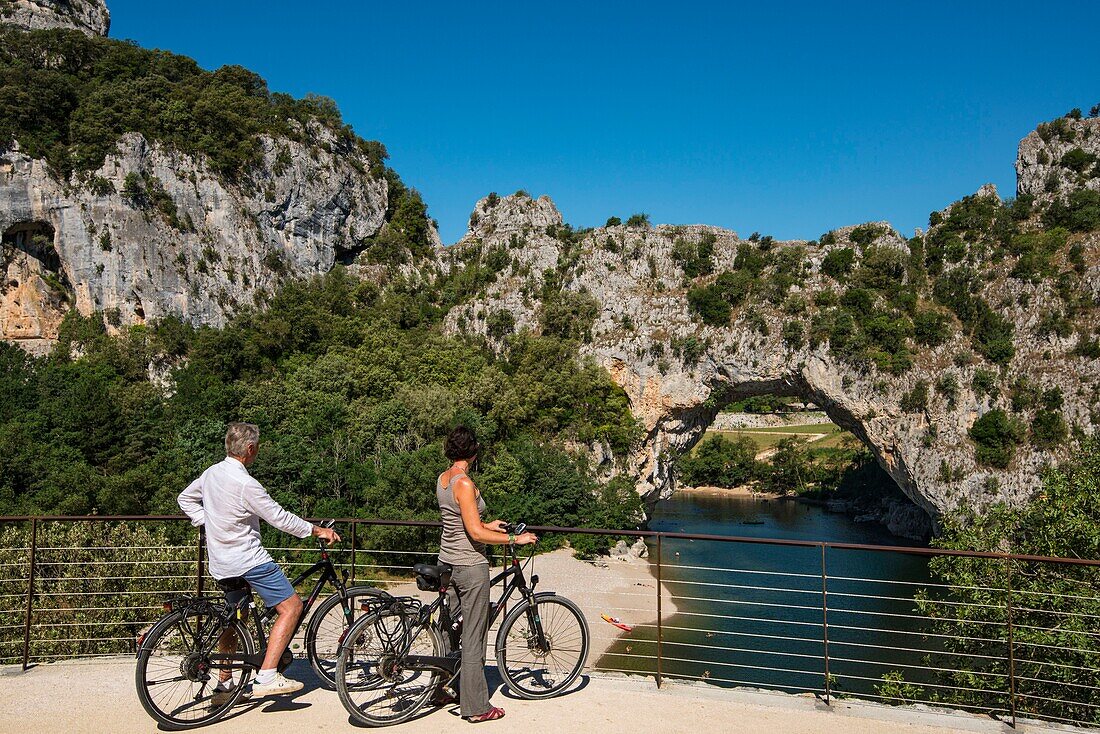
<point x="462" y="546"/>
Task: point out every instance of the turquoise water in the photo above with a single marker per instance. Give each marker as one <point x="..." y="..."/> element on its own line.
<point x="751" y="614"/>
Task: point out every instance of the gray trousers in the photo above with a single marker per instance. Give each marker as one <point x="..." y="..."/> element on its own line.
<point x="469" y="591"/>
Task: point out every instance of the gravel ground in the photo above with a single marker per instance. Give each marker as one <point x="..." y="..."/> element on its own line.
<point x="98" y="696"/>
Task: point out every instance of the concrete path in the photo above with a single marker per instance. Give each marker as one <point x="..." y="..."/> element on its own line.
<point x="99" y="696"/>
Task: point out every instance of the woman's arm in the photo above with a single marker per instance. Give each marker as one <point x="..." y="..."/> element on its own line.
<point x="482" y="532"/>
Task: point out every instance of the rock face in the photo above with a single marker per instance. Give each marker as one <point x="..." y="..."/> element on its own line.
<point x="88" y="16"/>
<point x="153" y="232"/>
<point x="678" y="372"/>
<point x="1059" y="157"/>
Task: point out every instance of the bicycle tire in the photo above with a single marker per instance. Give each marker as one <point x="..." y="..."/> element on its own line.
<point x="368" y="670"/>
<point x="330" y="631"/>
<point x="532" y="672"/>
<point x="201" y="709"/>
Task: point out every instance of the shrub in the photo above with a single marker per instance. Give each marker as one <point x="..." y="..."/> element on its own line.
<point x="750" y="259"/>
<point x="1048" y="429"/>
<point x="865" y="234"/>
<point x="916" y="400"/>
<point x="638" y="220"/>
<point x="794" y="334"/>
<point x="838" y="263"/>
<point x="720" y="462"/>
<point x="1079" y="213"/>
<point x="985" y="383"/>
<point x="500" y="323"/>
<point x="696" y="258"/>
<point x="995" y="435"/>
<point x="568" y="314"/>
<point x="948" y="386"/>
<point x="613" y="222"/>
<point x="931" y="328"/>
<point x="1077" y="160"/>
<point x="708" y="304"/>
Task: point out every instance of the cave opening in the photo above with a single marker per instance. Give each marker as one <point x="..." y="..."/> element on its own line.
<point x="782" y="441"/>
<point x="36" y="239"/>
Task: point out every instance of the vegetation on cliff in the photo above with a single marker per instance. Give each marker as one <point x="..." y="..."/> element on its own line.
<point x="67" y="98"/>
<point x="352" y="407"/>
<point x="1054" y="606"/>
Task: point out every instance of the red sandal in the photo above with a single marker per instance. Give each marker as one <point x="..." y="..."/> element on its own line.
<point x="491" y="715"/>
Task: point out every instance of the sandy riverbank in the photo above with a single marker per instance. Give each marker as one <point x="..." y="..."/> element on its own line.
<point x="625" y="589"/>
<point x="744" y="490"/>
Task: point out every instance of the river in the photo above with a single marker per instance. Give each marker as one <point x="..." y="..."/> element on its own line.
<point x="751" y="614"/>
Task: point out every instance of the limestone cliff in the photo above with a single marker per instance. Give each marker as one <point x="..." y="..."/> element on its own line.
<point x="87" y="16"/>
<point x="155" y="232"/>
<point x="679" y="369"/>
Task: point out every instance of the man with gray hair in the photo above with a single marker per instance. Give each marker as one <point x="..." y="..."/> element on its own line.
<point x="230" y="503"/>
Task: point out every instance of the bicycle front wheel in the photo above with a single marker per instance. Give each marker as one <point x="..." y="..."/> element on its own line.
<point x="175" y="676"/>
<point x="328" y="625"/>
<point x="371" y="678"/>
<point x="542" y="646"/>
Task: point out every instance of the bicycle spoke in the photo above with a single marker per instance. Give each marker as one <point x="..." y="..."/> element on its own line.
<point x="374" y="686"/>
<point x="538" y="665"/>
<point x="177" y="680"/>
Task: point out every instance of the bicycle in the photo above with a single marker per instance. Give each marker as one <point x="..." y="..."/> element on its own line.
<point x="178" y="662"/>
<point x="394" y="658"/>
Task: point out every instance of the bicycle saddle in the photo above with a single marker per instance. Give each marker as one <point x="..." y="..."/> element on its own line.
<point x="431" y="578"/>
<point x="237" y="590"/>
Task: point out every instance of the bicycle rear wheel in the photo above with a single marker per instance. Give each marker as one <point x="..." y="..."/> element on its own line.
<point x="541" y="666"/>
<point x="328" y="626"/>
<point x="373" y="684"/>
<point x="175" y="676"/>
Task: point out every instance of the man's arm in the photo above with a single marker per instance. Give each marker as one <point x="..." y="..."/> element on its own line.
<point x="260" y="502"/>
<point x="190" y="501"/>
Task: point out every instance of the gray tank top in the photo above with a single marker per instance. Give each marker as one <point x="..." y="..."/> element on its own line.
<point x="456" y="547"/>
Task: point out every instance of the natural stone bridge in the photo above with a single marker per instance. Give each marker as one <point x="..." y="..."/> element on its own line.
<point x="636" y="282"/>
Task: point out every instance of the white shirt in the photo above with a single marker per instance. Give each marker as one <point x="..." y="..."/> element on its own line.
<point x="229" y="502"/>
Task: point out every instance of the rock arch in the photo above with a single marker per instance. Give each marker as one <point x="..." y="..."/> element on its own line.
<point x="678" y="370"/>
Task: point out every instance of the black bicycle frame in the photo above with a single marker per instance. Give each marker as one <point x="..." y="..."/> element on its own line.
<point x="328" y="574"/>
<point x="515" y="580"/>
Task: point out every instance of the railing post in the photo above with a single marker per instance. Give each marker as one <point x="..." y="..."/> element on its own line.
<point x="200" y="565"/>
<point x="1011" y="642"/>
<point x="660" y="629"/>
<point x="30" y="595"/>
<point x="825" y="624"/>
<point x="354" y="528"/>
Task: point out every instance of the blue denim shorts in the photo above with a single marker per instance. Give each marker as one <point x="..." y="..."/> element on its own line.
<point x="269" y="581"/>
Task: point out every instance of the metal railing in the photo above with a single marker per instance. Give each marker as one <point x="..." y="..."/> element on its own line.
<point x="799" y="616"/>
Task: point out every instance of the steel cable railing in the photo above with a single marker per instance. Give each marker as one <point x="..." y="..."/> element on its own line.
<point x="78" y="587"/>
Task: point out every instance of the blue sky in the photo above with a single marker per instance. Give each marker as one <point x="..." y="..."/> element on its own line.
<point x="784" y="118"/>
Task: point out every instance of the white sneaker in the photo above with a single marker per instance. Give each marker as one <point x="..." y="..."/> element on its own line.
<point x="278" y="685"/>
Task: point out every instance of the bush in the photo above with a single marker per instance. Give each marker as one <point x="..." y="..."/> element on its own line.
<point x="709" y="306"/>
<point x="696" y="258"/>
<point x="1048" y="429"/>
<point x="1061" y="519"/>
<point x="865" y="234"/>
<point x="931" y="328"/>
<point x="638" y="220"/>
<point x="916" y="400"/>
<point x="613" y="222"/>
<point x="568" y="314"/>
<point x="1080" y="213"/>
<point x="996" y="435"/>
<point x="794" y="334"/>
<point x="1077" y="160"/>
<point x="720" y="462"/>
<point x="838" y="263"/>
